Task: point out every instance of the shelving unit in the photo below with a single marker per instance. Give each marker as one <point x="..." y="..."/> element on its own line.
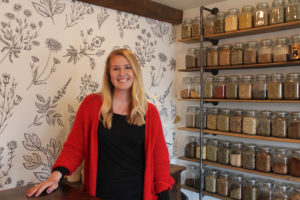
<point x="252" y="100"/>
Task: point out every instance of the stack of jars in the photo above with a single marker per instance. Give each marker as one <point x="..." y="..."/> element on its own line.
<point x="250" y="17"/>
<point x="190" y="28"/>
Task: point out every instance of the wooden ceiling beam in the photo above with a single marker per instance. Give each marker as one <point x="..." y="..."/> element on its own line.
<point x="145" y="8"/>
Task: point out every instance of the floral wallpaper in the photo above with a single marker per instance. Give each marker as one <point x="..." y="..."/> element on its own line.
<point x="52" y="55"/>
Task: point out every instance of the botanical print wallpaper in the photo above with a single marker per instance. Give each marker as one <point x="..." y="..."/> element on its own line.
<point x="52" y="55"/>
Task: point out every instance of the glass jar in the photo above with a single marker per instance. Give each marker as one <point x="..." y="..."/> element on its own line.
<point x="190" y="176"/>
<point x="237" y="54"/>
<point x="265" y="191"/>
<point x="231" y="20"/>
<point x="220" y="22"/>
<point x="212" y="56"/>
<point x="190" y="58"/>
<point x="223" y="120"/>
<point x="223" y="184"/>
<point x="208" y="87"/>
<point x="249" y="122"/>
<point x="250" y="52"/>
<point x="281" y="192"/>
<point x="264" y="123"/>
<point x="294" y="163"/>
<point x="236" y="154"/>
<point x="212" y="150"/>
<point x="264" y="53"/>
<point x="245" y="87"/>
<point x="236" y="121"/>
<point x="224" y="55"/>
<point x="260" y="86"/>
<point x="186" y="88"/>
<point x="211" y="181"/>
<point x="277" y="12"/>
<point x="236" y="187"/>
<point x="198" y="120"/>
<point x="196" y="88"/>
<point x="209" y="24"/>
<point x="198" y="57"/>
<point x="219" y="87"/>
<point x="281" y="49"/>
<point x="212" y="115"/>
<point x="294" y="126"/>
<point x="198" y="148"/>
<point x="248" y="156"/>
<point x="280" y="158"/>
<point x="246" y="17"/>
<point x="292" y="10"/>
<point x="250" y="189"/>
<point x="279" y="124"/>
<point x="295" y="47"/>
<point x="232" y="87"/>
<point x="223" y="152"/>
<point x="294" y="193"/>
<point x="291" y="86"/>
<point x="190" y="147"/>
<point x="190" y="117"/>
<point x="186" y="28"/>
<point x="196" y="27"/>
<point x="261" y="14"/>
<point x="264" y="159"/>
<point x="275" y="86"/>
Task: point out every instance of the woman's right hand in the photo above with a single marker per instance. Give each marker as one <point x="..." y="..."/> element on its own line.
<point x="50" y="184"/>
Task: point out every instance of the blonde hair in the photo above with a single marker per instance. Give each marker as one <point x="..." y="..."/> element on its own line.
<point x="139" y="102"/>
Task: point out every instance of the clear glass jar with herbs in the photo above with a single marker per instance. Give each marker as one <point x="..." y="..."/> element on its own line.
<point x="264" y="159"/>
<point x="249" y="122"/>
<point x="198" y="149"/>
<point x="220" y="22"/>
<point x="279" y="124"/>
<point x="236" y="117"/>
<point x="250" y="52"/>
<point x="281" y="49"/>
<point x="190" y="117"/>
<point x="275" y="86"/>
<point x="294" y="193"/>
<point x="232" y="87"/>
<point x="292" y="10"/>
<point x="246" y="17"/>
<point x="236" y="187"/>
<point x="190" y="176"/>
<point x="223" y="184"/>
<point x="281" y="192"/>
<point x="264" y="53"/>
<point x="245" y="87"/>
<point x="208" y="87"/>
<point x="186" y="28"/>
<point x="219" y="87"/>
<point x="223" y="120"/>
<point x="277" y="12"/>
<point x="294" y="126"/>
<point x="264" y="123"/>
<point x="209" y="24"/>
<point x="196" y="27"/>
<point x="261" y="16"/>
<point x="212" y="150"/>
<point x="212" y="56"/>
<point x="196" y="88"/>
<point x="212" y="115"/>
<point x="295" y="47"/>
<point x="265" y="190"/>
<point x="198" y="120"/>
<point x="280" y="158"/>
<point x="294" y="163"/>
<point x="260" y="86"/>
<point x="236" y="154"/>
<point x="250" y="189"/>
<point x="223" y="152"/>
<point x="248" y="156"/>
<point x="198" y="57"/>
<point x="211" y="181"/>
<point x="186" y="88"/>
<point x="237" y="54"/>
<point x="291" y="86"/>
<point x="224" y="55"/>
<point x="231" y="20"/>
<point x="190" y="58"/>
<point x="190" y="147"/>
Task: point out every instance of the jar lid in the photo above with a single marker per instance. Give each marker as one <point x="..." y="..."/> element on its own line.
<point x="233" y="11"/>
<point x="225" y="111"/>
<point x="196" y="80"/>
<point x="191" y="167"/>
<point x="192" y="50"/>
<point x="220" y="78"/>
<point x="281" y="150"/>
<point x="226" y="46"/>
<point x="250" y="146"/>
<point x="265" y="113"/>
<point x="212" y="141"/>
<point x="252" y="43"/>
<point x="215" y="47"/>
<point x="237" y="112"/>
<point x="221" y="14"/>
<point x="192" y="138"/>
<point x="233" y="78"/>
<point x="246" y="77"/>
<point x="238" y="45"/>
<point x="208" y="78"/>
<point x="276" y="76"/>
<point x="191" y="108"/>
<point x="247" y="8"/>
<point x="282" y="41"/>
<point x="266" y="42"/>
<point x="265" y="148"/>
<point x="281" y="113"/>
<point x="268" y="184"/>
<point x="294" y="1"/>
<point x="225" y="143"/>
<point x="295" y="114"/>
<point x="278" y="3"/>
<point x="210" y="17"/>
<point x="260" y="77"/>
<point x="282" y="187"/>
<point x="197" y="18"/>
<point x="262" y="5"/>
<point x="250" y="112"/>
<point x="238" y="178"/>
<point x="293" y="75"/>
<point x="224" y="175"/>
<point x="187" y="21"/>
<point x="213" y="110"/>
<point x="237" y="145"/>
<point x="187" y="80"/>
<point x="295" y="38"/>
<point x="252" y="181"/>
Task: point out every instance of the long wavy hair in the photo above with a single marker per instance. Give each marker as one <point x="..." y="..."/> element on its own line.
<point x="139" y="102"/>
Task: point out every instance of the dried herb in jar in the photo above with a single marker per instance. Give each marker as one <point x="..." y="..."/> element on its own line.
<point x="223" y="184"/>
<point x="211" y="183"/>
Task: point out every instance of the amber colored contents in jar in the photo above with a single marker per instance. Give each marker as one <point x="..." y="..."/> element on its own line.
<point x="245" y="91"/>
<point x="208" y="90"/>
<point x="249" y="125"/>
<point x="223" y="155"/>
<point x="250" y="56"/>
<point x="212" y="57"/>
<point x="185" y="93"/>
<point x="211" y="183"/>
<point x="280" y="168"/>
<point x="279" y="128"/>
<point x="219" y="92"/>
<point x="294" y="130"/>
<point x="223" y="185"/>
<point x="265" y="58"/>
<point x="223" y="122"/>
<point x="212" y="152"/>
<point x="208" y="30"/>
<point x="190" y="150"/>
<point x="212" y="122"/>
<point x="224" y="56"/>
<point x="231" y="23"/>
<point x="236" y="159"/>
<point x="259" y="90"/>
<point x="190" y="61"/>
<point x="250" y="192"/>
<point x="236" y="124"/>
<point x="263" y="162"/>
<point x="295" y="51"/>
<point x="294" y="166"/>
<point x="274" y="90"/>
<point x="245" y="20"/>
<point x="295" y="197"/>
<point x="291" y="90"/>
<point x="231" y="90"/>
<point x="264" y="126"/>
<point x="248" y="159"/>
<point x="236" y="192"/>
<point x="237" y="57"/>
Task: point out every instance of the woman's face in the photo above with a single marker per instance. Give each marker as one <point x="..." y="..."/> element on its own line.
<point x="121" y="73"/>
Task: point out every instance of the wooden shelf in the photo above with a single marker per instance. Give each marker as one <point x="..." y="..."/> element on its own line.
<point x="254" y="31"/>
<point x="191" y="100"/>
<point x="189" y="159"/>
<point x="256" y="137"/>
<point x="216" y="195"/>
<point x="252" y="100"/>
<point x="189" y="188"/>
<point x="189" y="129"/>
<point x="194" y="69"/>
<point x="190" y="40"/>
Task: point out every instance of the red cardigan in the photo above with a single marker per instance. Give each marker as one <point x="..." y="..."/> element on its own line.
<point x="82" y="144"/>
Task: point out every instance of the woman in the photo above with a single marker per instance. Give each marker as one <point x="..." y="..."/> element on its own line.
<point x="119" y="135"/>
